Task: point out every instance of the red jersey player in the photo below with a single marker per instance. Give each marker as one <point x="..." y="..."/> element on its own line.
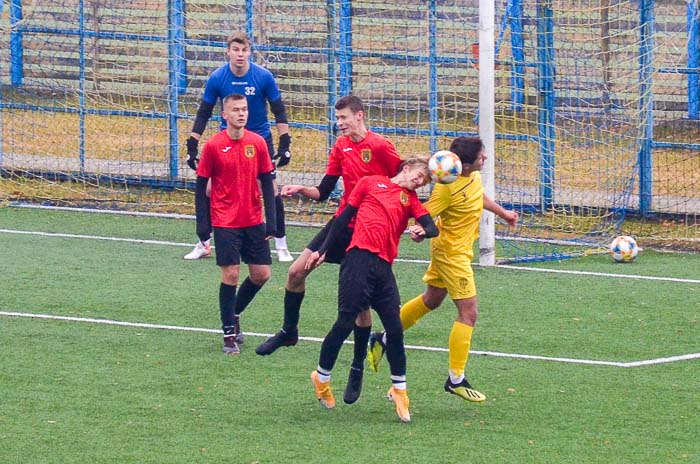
<point x="381" y="208"/>
<point x="359" y="152"/>
<point x="235" y="159"/>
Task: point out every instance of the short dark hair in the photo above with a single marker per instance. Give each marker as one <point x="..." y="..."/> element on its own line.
<point x="352" y="102"/>
<point x="233" y="96"/>
<point x="239" y="38"/>
<point x="467" y="148"/>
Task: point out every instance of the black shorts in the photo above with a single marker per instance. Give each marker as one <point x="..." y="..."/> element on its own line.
<point x="365" y="281"/>
<point x="271" y="152"/>
<point x="336" y="252"/>
<point x="247" y="243"/>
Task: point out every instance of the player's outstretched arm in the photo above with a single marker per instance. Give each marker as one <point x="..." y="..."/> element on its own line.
<point x="511" y="217"/>
<point x="294" y="189"/>
<point x="340" y="223"/>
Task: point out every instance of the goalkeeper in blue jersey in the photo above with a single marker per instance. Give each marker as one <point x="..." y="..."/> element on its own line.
<point x="258" y="85"/>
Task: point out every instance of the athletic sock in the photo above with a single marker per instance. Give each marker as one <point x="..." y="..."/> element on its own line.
<point x="292" y="308"/>
<point x="459" y="344"/>
<point x="412" y="311"/>
<point x="245" y="294"/>
<point x="360" y="349"/>
<point x="398" y="381"/>
<point x="227" y="303"/>
<point x="280" y="243"/>
<point x="324" y="375"/>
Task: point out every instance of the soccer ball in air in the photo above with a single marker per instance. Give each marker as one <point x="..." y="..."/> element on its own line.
<point x="445" y="167"/>
<point x="623" y="249"/>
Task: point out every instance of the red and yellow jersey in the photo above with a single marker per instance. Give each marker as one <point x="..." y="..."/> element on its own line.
<point x="373" y="155"/>
<point x="384" y="209"/>
<point x="233" y="167"/>
<point x="456" y="208"/>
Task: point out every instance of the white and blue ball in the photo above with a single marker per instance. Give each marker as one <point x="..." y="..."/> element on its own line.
<point x="445" y="167"/>
<point x="623" y="249"/>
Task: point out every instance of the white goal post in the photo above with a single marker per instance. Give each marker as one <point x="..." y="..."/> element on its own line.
<point x="487" y="126"/>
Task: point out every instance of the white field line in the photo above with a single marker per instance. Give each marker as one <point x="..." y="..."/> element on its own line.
<point x="142" y="325"/>
<point x="419" y="261"/>
<point x="600" y="274"/>
<point x="94" y="237"/>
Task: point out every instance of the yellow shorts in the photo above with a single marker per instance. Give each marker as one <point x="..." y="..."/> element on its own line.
<point x="453" y="273"/>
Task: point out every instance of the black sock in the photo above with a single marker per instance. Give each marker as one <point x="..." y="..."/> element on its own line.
<point x="227" y="302"/>
<point x="395" y="352"/>
<point x="361" y="340"/>
<point x="245" y="295"/>
<point x="292" y="307"/>
<point x="279" y="212"/>
<point x="334" y="340"/>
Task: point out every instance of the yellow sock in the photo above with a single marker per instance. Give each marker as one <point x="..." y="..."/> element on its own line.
<point x="412" y="311"/>
<point x="460" y="342"/>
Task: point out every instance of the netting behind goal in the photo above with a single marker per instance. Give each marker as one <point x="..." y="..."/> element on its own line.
<point x="596" y="113"/>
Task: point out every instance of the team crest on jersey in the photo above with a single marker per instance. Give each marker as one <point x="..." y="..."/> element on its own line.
<point x="404" y="198"/>
<point x="249" y="151"/>
<point x="366" y="155"/>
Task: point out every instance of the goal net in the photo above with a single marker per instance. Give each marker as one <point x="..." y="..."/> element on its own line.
<point x="594" y="130"/>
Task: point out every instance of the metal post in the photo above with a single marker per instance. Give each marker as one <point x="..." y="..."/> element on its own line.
<point x="179" y="45"/>
<point x="249" y="12"/>
<point x="81" y="82"/>
<point x="515" y="14"/>
<point x="345" y="54"/>
<point x="546" y="111"/>
<point x="433" y="79"/>
<point x="693" y="59"/>
<point x="174" y="63"/>
<point x="646" y="104"/>
<point x="331" y="43"/>
<point x="487" y="125"/>
<point x="16" y="49"/>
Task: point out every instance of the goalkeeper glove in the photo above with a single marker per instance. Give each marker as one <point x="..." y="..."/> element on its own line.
<point x="283" y="153"/>
<point x="192" y="155"/>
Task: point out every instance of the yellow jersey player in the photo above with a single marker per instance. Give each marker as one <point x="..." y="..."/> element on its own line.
<point x="457" y="209"/>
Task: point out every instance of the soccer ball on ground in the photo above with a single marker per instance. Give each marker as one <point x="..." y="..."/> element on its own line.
<point x="444" y="166"/>
<point x="623" y="249"/>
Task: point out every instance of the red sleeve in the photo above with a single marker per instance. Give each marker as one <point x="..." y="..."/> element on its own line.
<point x="264" y="161"/>
<point x="393" y="158"/>
<point x="417" y="208"/>
<point x="204" y="168"/>
<point x="358" y="193"/>
<point x="334" y="167"/>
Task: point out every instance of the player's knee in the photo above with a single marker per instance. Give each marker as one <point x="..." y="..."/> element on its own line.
<point x="260" y="277"/>
<point x="296" y="276"/>
<point x="364" y="319"/>
<point x="230" y="274"/>
<point x="434" y="298"/>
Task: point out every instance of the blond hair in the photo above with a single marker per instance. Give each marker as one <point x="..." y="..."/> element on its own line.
<point x="419" y="162"/>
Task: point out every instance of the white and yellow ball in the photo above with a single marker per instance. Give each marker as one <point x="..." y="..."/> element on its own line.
<point x="623" y="249"/>
<point x="445" y="167"/>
